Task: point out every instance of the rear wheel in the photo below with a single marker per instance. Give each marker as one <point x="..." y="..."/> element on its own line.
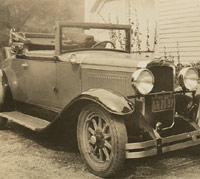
<point x="3" y="122"/>
<point x="101" y="140"/>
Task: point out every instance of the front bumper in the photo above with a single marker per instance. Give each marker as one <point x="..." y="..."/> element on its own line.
<point x="162" y="145"/>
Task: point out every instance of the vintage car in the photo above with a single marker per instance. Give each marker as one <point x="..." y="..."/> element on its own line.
<point x="84" y="77"/>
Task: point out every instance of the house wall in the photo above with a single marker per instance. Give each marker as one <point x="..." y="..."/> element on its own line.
<point x="179" y="29"/>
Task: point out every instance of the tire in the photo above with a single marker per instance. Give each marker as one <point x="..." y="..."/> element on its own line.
<point x="101" y="140"/>
<point x="3" y="122"/>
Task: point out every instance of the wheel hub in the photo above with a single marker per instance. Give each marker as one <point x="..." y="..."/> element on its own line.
<point x="93" y="140"/>
<point x="97" y="139"/>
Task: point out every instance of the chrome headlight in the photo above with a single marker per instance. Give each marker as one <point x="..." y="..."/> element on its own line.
<point x="143" y="80"/>
<point x="188" y="78"/>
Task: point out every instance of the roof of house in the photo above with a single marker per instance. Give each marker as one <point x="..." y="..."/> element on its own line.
<point x="97" y="4"/>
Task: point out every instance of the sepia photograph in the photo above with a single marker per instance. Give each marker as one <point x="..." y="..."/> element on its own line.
<point x="94" y="89"/>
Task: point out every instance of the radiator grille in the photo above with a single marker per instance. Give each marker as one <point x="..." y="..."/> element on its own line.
<point x="164" y="78"/>
<point x="164" y="81"/>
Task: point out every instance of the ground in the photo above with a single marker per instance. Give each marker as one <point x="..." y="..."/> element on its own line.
<point x="27" y="155"/>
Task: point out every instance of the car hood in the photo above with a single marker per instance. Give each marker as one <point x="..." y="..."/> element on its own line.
<point x="108" y="58"/>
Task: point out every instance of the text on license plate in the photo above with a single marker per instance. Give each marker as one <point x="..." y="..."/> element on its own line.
<point x="162" y="103"/>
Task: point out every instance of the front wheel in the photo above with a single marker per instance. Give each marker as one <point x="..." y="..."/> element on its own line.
<point x="101" y="140"/>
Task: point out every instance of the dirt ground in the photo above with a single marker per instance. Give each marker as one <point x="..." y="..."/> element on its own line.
<point x="27" y="155"/>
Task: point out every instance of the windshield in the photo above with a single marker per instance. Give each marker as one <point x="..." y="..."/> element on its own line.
<point x="74" y="39"/>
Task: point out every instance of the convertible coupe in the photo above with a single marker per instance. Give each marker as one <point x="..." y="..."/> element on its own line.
<point x="84" y="77"/>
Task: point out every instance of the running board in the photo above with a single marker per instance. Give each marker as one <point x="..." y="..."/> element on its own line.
<point x="33" y="123"/>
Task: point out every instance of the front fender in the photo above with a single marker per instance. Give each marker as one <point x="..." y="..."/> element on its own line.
<point x="109" y="100"/>
<point x="113" y="102"/>
<point x="184" y="104"/>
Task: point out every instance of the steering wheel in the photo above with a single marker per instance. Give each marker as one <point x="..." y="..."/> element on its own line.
<point x="103" y="44"/>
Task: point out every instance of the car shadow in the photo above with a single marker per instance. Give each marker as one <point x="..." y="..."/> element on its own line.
<point x="57" y="141"/>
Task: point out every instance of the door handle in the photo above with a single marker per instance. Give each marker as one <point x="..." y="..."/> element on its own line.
<point x="55" y="89"/>
<point x="25" y="65"/>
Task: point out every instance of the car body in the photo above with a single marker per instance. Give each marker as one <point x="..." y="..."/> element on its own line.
<point x="119" y="105"/>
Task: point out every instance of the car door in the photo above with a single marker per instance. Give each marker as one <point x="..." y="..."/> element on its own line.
<point x="18" y="74"/>
<point x="36" y="77"/>
<point x="68" y="81"/>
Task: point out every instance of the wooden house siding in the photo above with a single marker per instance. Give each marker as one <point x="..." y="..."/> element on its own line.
<point x="179" y="29"/>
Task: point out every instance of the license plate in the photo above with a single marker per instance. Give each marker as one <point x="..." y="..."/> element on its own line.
<point x="162" y="103"/>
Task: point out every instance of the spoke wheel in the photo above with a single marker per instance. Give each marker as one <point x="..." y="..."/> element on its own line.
<point x="101" y="140"/>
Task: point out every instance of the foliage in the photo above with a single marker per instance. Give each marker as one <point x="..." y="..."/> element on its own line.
<point x="36" y="15"/>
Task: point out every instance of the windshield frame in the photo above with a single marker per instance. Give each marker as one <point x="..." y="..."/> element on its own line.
<point x="63" y="24"/>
